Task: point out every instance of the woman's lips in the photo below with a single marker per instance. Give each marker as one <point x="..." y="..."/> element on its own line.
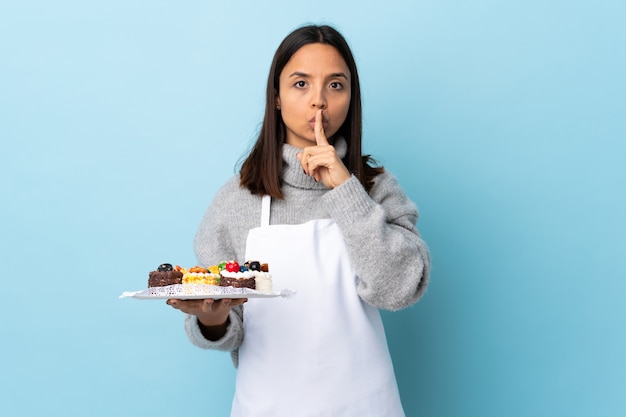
<point x="312" y="123"/>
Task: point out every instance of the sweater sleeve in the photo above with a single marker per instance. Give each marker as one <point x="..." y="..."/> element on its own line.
<point x="214" y="241"/>
<point x="390" y="258"/>
<point x="231" y="340"/>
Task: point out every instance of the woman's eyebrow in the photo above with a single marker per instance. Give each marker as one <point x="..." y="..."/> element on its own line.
<point x="298" y="74"/>
<point x="305" y="75"/>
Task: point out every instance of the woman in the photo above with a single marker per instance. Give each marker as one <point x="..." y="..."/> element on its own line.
<point x="332" y="227"/>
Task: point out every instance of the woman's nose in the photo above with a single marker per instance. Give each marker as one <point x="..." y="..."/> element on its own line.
<point x="318" y="100"/>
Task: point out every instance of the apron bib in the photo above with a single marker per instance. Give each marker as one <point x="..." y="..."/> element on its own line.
<point x="322" y="352"/>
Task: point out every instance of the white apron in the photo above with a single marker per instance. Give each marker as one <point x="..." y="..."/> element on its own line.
<point x="322" y="352"/>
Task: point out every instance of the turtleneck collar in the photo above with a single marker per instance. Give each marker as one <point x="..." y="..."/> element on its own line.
<point x="292" y="170"/>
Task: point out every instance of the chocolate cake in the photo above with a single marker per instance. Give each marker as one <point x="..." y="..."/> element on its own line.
<point x="238" y="276"/>
<point x="164" y="275"/>
<point x="238" y="282"/>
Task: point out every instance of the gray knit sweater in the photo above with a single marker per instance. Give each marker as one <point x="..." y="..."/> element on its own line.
<point x="391" y="260"/>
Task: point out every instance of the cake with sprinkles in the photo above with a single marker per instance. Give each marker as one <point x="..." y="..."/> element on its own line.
<point x="251" y="274"/>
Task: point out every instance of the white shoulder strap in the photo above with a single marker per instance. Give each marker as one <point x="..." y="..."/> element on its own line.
<point x="265" y="210"/>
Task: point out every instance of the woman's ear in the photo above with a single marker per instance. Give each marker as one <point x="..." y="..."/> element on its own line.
<point x="277" y="100"/>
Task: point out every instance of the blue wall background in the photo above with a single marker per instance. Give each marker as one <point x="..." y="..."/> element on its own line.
<point x="504" y="121"/>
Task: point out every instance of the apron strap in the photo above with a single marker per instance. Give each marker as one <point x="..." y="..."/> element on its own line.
<point x="265" y="210"/>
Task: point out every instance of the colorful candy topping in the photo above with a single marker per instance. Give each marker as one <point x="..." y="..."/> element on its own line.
<point x="254" y="266"/>
<point x="164" y="268"/>
<point x="232" y="266"/>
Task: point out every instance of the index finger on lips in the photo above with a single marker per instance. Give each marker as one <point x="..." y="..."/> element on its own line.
<point x="320" y="136"/>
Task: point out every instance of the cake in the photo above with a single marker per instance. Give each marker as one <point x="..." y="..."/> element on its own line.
<point x="262" y="276"/>
<point x="164" y="275"/>
<point x="199" y="275"/>
<point x="234" y="275"/>
<point x="252" y="274"/>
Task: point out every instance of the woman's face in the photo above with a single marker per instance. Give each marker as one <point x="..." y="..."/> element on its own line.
<point x="316" y="77"/>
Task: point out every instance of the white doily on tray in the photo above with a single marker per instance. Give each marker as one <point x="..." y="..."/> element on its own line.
<point x="201" y="291"/>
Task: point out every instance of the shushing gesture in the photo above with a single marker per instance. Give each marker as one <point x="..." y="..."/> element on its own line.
<point x="321" y="161"/>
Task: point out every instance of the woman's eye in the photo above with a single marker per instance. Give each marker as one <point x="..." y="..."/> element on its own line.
<point x="336" y="85"/>
<point x="300" y="84"/>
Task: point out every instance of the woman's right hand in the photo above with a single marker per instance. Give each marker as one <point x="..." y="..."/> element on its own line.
<point x="209" y="312"/>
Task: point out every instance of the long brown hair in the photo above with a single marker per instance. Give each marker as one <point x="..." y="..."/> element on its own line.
<point x="261" y="172"/>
